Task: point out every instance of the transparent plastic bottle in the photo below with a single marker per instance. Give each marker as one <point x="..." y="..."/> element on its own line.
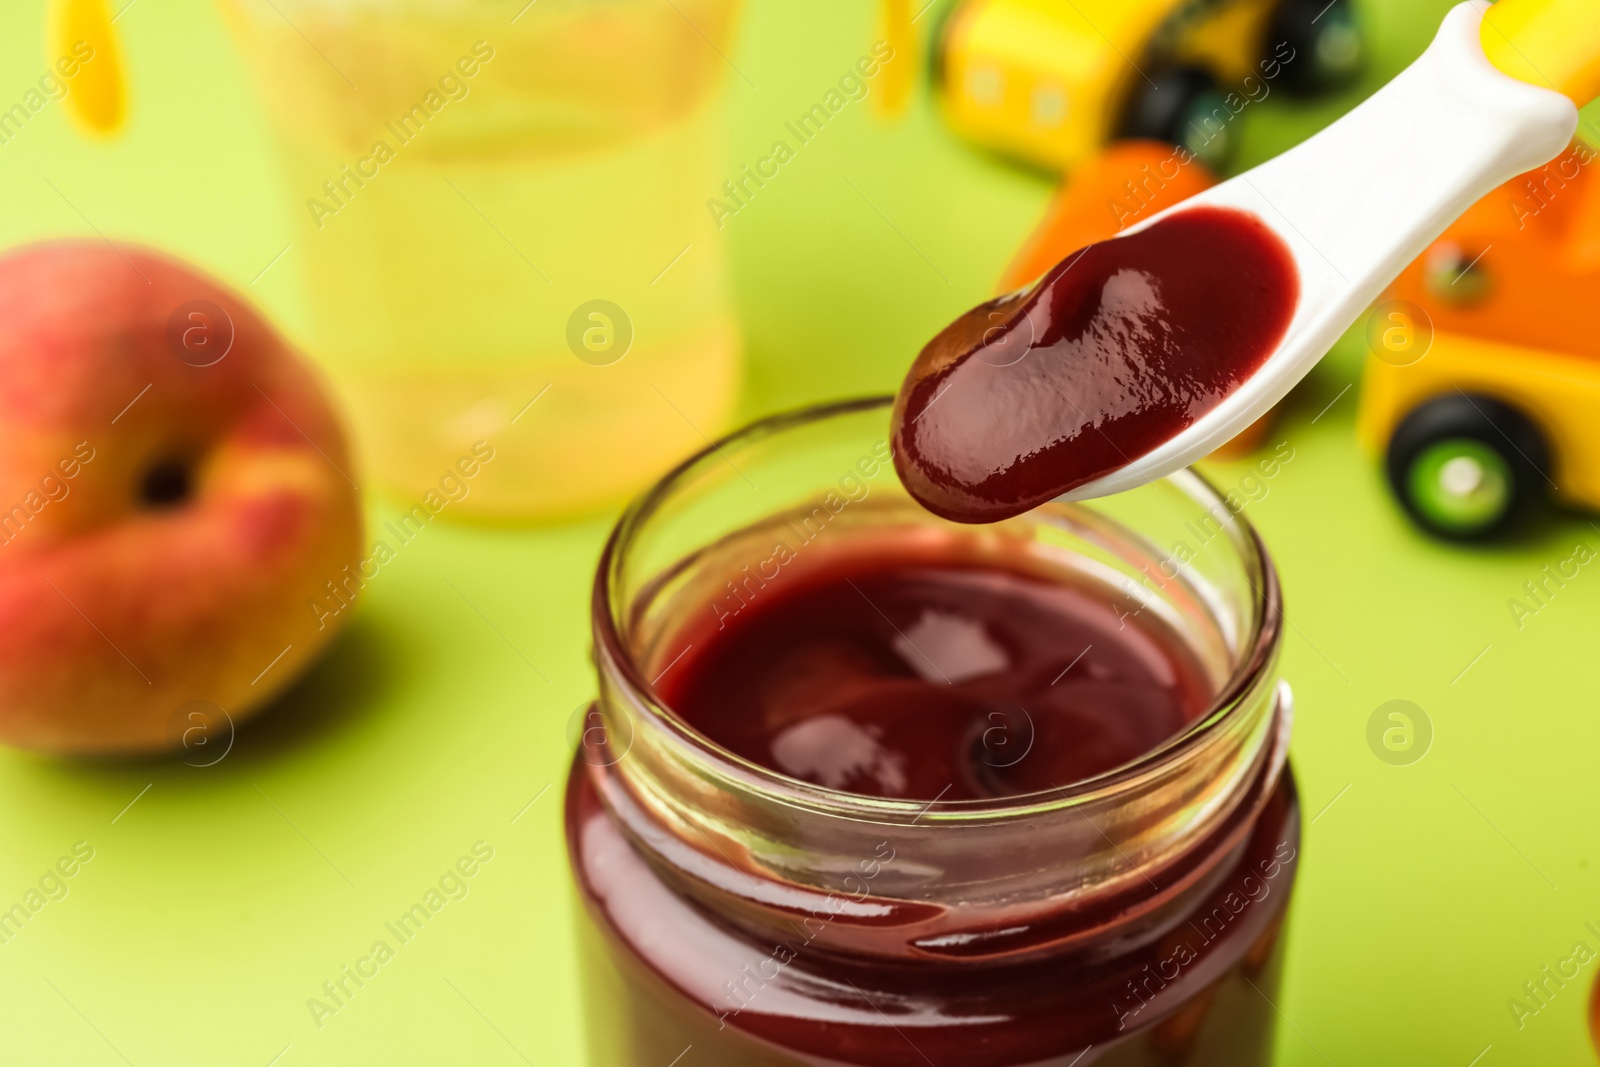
<point x="504" y="236"/>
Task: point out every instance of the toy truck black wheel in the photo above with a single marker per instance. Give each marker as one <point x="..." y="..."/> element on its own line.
<point x="1327" y="41"/>
<point x="1467" y="468"/>
<point x="1183" y="106"/>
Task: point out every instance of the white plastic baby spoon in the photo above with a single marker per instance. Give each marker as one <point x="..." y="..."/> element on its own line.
<point x="1367" y="195"/>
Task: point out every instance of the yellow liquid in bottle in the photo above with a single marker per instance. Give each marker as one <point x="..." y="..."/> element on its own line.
<point x="505" y="235"/>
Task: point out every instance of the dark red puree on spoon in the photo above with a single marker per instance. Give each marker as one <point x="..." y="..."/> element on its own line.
<point x="1113" y="352"/>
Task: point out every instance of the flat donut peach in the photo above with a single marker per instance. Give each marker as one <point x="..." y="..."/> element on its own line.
<point x="175" y="494"/>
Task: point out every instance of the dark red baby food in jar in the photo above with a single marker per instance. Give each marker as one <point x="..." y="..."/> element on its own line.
<point x="866" y="786"/>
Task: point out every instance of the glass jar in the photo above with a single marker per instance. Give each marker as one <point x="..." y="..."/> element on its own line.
<point x="503" y="233"/>
<point x="1131" y="918"/>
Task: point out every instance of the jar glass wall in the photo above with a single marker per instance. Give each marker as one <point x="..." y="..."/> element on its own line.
<point x="1125" y="919"/>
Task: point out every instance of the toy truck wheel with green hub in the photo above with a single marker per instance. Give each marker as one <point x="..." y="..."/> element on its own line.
<point x="1467" y="467"/>
<point x="1052" y="81"/>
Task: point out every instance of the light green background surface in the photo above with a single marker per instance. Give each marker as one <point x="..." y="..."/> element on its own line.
<point x="223" y="898"/>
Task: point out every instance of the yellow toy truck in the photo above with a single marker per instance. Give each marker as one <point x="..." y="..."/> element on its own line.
<point x="1052" y="81"/>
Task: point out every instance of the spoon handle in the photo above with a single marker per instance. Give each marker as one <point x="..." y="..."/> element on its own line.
<point x="1550" y="43"/>
<point x="1365" y="196"/>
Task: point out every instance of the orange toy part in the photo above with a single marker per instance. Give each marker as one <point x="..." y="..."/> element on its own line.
<point x="1248" y="439"/>
<point x="1127" y="183"/>
<point x="1522" y="266"/>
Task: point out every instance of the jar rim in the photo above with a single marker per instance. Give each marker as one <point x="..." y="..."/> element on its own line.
<point x="1254" y="657"/>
